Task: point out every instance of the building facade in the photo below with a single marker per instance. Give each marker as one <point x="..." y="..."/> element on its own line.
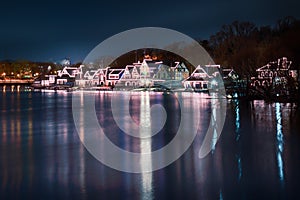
<point x="274" y="73"/>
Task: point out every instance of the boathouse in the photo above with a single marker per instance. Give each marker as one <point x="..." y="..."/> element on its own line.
<point x="274" y="73"/>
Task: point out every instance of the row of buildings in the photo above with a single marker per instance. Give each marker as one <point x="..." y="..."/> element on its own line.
<point x="149" y="72"/>
<point x="274" y="73"/>
<point x="141" y="74"/>
<point x="276" y="80"/>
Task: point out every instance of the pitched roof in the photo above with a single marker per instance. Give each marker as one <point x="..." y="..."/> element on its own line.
<point x="116" y="71"/>
<point x="280" y="64"/>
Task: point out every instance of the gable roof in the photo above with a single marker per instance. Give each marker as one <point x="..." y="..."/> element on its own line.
<point x="68" y="71"/>
<point x="229" y="73"/>
<point x="280" y="64"/>
<point x="116" y="71"/>
<point x="199" y="71"/>
<point x="212" y="70"/>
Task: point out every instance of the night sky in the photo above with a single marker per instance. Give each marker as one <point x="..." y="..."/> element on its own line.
<point x="51" y="31"/>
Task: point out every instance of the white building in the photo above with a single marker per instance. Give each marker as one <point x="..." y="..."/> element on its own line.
<point x="199" y="79"/>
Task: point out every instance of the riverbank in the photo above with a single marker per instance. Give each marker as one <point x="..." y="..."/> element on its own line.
<point x="16" y="82"/>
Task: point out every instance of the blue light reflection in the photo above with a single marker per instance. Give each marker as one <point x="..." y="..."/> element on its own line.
<point x="280" y="143"/>
<point x="237" y="138"/>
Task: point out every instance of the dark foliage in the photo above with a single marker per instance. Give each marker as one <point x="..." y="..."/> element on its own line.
<point x="245" y="47"/>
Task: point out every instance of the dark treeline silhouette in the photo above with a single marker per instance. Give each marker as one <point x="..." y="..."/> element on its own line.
<point x="19" y="68"/>
<point x="245" y="47"/>
<point x="167" y="57"/>
<point x="240" y="45"/>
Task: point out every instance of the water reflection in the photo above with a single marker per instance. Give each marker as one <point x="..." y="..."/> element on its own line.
<point x="37" y="143"/>
<point x="145" y="146"/>
<point x="280" y="144"/>
<point x="214" y="125"/>
<point x="42" y="158"/>
<point x="237" y="138"/>
<point x="14" y="88"/>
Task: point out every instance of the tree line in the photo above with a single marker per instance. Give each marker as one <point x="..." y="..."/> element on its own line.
<point x="24" y="69"/>
<point x="244" y="47"/>
<point x="240" y="45"/>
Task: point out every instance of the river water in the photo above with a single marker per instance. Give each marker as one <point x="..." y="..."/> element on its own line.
<point x="42" y="157"/>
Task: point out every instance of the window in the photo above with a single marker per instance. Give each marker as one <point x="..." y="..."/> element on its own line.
<point x="271" y="74"/>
